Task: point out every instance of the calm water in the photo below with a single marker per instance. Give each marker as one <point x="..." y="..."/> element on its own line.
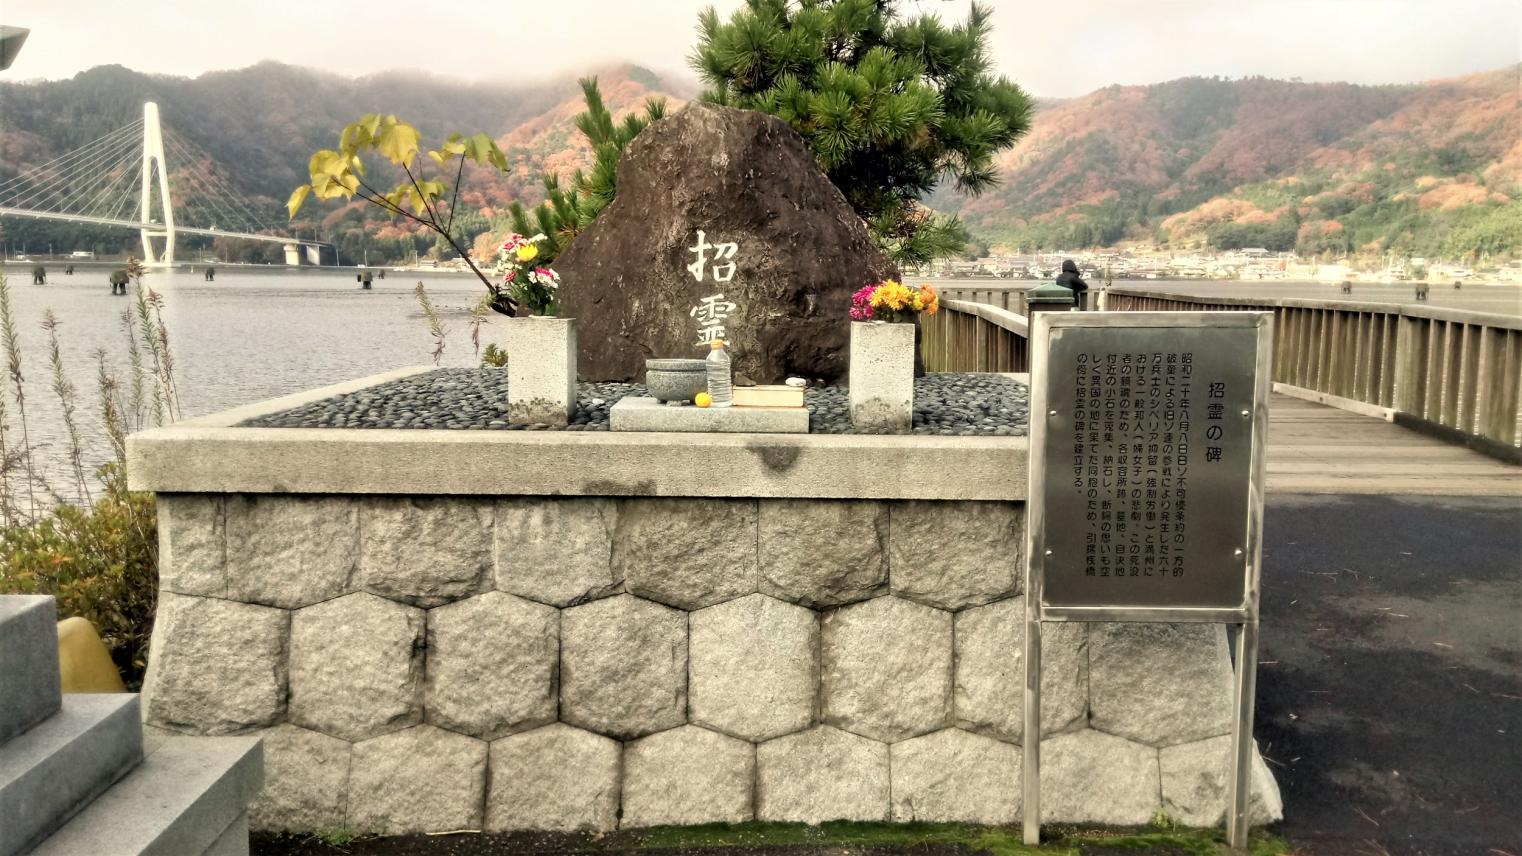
<point x="248" y="336"/>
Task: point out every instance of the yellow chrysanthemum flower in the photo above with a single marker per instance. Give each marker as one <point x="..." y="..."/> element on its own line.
<point x="527" y="252"/>
<point x="892" y="295"/>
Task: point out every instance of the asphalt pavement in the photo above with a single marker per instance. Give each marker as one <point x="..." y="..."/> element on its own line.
<point x="1390" y="676"/>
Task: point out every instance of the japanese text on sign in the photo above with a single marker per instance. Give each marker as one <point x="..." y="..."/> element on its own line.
<point x="1147" y="458"/>
<point x="1131" y="459"/>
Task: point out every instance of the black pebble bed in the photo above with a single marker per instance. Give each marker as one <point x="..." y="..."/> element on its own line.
<point x="949" y="404"/>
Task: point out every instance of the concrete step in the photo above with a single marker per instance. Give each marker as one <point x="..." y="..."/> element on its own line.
<point x="59" y="765"/>
<point x="187" y="797"/>
<point x="29" y="690"/>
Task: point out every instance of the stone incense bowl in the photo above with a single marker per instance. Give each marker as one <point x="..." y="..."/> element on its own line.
<point x="675" y="379"/>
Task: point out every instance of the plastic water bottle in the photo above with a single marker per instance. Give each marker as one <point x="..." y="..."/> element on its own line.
<point x="720" y="382"/>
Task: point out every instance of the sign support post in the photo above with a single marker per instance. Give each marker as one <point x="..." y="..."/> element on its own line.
<point x="1146" y="500"/>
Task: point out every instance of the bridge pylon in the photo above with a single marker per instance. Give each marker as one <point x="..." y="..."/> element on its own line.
<point x="153" y="156"/>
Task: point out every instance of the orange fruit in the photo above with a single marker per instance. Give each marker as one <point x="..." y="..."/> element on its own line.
<point x="702" y="399"/>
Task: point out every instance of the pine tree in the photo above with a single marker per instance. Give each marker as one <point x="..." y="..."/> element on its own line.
<point x="565" y="212"/>
<point x="890" y="106"/>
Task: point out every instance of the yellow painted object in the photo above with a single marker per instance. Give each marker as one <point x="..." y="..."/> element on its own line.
<point x="84" y="664"/>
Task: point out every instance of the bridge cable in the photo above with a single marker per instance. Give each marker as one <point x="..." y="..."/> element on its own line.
<point x="81" y="192"/>
<point x="39" y="194"/>
<point x="68" y="156"/>
<point x="119" y="185"/>
<point x="220" y="188"/>
<point x="206" y="195"/>
<point x="80" y="201"/>
<point x="25" y="185"/>
<point x="56" y="193"/>
<point x="196" y="196"/>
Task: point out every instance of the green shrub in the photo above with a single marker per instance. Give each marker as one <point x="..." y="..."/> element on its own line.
<point x="100" y="561"/>
<point x="493" y="356"/>
<point x="99" y="558"/>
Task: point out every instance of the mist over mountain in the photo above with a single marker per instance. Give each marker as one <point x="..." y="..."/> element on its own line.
<point x="1429" y="169"/>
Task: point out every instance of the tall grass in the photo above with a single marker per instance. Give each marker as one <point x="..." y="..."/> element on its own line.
<point x="111" y="416"/>
<point x="436" y="327"/>
<point x="99" y="557"/>
<point x="478" y="313"/>
<point x="8" y="462"/>
<point x="139" y="377"/>
<point x="13" y="373"/>
<point x="65" y="392"/>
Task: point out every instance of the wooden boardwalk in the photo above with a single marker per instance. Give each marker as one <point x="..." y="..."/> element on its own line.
<point x="1313" y="448"/>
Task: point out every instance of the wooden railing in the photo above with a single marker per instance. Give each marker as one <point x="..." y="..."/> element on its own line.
<point x="1005" y="294"/>
<point x="973" y="337"/>
<point x="1451" y="371"/>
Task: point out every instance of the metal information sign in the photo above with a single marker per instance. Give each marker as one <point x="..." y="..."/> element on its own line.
<point x="1146" y="499"/>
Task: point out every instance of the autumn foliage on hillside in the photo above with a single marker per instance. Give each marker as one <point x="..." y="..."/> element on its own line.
<point x="259" y="125"/>
<point x="1433" y="169"/>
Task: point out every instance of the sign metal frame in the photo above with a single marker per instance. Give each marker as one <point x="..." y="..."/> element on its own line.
<point x="1036" y="552"/>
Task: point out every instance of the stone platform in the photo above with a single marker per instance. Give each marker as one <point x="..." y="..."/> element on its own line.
<point x="641" y="413"/>
<point x="78" y="776"/>
<point x="544" y="630"/>
<point x="963" y="404"/>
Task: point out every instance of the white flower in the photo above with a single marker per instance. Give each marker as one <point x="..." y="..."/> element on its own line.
<point x="545" y="276"/>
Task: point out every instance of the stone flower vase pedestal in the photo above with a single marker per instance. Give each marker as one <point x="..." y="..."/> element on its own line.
<point x="541" y="370"/>
<point x="882" y="375"/>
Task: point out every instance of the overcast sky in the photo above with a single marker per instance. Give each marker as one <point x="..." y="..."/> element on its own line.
<point x="1060" y="48"/>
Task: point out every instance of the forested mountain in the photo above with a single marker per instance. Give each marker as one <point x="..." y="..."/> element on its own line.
<point x="1432" y="169"/>
<point x="259" y="125"/>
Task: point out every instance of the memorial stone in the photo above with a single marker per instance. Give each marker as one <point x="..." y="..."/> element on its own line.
<point x="724" y="227"/>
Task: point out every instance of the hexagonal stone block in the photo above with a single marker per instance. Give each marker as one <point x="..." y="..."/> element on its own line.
<point x="356" y="666"/>
<point x="192" y="544"/>
<point x="955" y="775"/>
<point x="954" y="554"/>
<point x="554" y="778"/>
<point x="491" y="665"/>
<point x="306" y="781"/>
<point x="823" y="552"/>
<point x="990" y="671"/>
<point x="1197" y="783"/>
<point x="423" y="779"/>
<point x="821" y="774"/>
<point x="687" y="553"/>
<point x="1091" y="777"/>
<point x="1160" y="684"/>
<point x="219" y="667"/>
<point x="557" y="550"/>
<point x="688" y="775"/>
<point x="290" y="551"/>
<point x="623" y="666"/>
<point x="886" y="668"/>
<point x="426" y="551"/>
<point x="754" y="667"/>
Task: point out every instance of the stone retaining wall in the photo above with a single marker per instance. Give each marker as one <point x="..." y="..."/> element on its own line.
<point x="445" y="663"/>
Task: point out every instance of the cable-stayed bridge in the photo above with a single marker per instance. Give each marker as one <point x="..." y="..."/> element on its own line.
<point x="122" y="179"/>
